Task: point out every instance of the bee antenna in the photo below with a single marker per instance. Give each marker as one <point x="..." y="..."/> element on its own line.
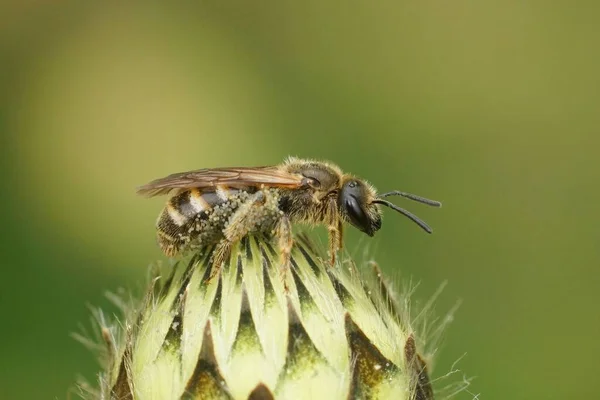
<point x="408" y="214"/>
<point x="413" y="197"/>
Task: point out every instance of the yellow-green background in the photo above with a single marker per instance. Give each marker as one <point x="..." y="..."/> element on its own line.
<point x="490" y="106"/>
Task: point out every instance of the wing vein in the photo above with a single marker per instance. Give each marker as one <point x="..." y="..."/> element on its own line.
<point x="235" y="178"/>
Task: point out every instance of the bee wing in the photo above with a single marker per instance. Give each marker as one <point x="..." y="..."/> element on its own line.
<point x="230" y="177"/>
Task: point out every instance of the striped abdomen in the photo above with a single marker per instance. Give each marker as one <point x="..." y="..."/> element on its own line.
<point x="195" y="217"/>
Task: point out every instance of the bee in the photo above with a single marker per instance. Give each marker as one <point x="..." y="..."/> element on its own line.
<point x="219" y="206"/>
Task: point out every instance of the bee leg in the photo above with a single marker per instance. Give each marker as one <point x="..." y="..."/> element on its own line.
<point x="219" y="257"/>
<point x="242" y="222"/>
<point x="335" y="229"/>
<point x="285" y="241"/>
<point x="335" y="241"/>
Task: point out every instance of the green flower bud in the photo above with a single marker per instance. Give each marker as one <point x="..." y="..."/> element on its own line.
<point x="260" y="332"/>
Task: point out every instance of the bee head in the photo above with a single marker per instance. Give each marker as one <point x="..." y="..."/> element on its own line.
<point x="358" y="204"/>
<point x="355" y="203"/>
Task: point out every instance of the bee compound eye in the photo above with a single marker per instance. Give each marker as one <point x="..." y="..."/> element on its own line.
<point x="357" y="215"/>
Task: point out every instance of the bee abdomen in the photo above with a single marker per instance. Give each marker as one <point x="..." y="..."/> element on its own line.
<point x="186" y="216"/>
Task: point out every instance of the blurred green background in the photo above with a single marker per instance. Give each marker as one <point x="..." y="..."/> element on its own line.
<point x="491" y="107"/>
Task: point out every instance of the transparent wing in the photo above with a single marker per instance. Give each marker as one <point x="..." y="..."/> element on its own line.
<point x="230" y="177"/>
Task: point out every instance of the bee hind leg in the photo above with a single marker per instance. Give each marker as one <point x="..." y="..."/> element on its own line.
<point x="245" y="220"/>
<point x="219" y="256"/>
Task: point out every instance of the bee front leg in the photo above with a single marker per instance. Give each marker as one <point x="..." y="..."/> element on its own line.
<point x="335" y="241"/>
<point x="335" y="229"/>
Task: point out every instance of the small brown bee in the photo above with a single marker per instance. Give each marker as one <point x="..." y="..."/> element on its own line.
<point x="222" y="205"/>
